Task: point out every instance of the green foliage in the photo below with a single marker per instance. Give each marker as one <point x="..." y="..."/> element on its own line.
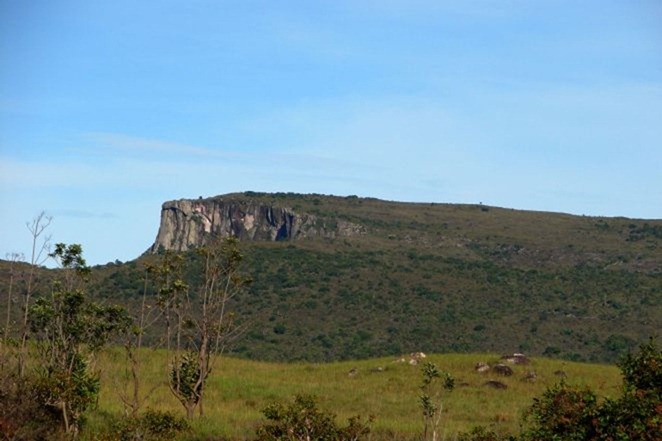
<point x="430" y="398"/>
<point x="185" y="378"/>
<point x="482" y="433"/>
<point x="563" y="413"/>
<point x="571" y="413"/>
<point x="642" y="371"/>
<point x="68" y="330"/>
<point x="153" y="425"/>
<point x="637" y="414"/>
<point x="303" y="421"/>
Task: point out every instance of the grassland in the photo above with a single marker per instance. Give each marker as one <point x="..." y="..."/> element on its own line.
<point x="239" y="389"/>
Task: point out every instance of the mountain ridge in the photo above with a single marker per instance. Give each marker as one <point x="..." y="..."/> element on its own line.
<point x="419" y="277"/>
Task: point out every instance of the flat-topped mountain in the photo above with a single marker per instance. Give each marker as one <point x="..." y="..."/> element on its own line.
<point x="513" y="237"/>
<point x="348" y="277"/>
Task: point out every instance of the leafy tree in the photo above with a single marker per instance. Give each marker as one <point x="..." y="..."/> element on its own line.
<point x="69" y="331"/>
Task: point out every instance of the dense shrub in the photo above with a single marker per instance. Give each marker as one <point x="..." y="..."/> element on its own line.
<point x="23" y="414"/>
<point x="571" y="413"/>
<point x="563" y="413"/>
<point x="637" y="414"/>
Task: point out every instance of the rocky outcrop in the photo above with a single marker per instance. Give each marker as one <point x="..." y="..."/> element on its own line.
<point x="188" y="223"/>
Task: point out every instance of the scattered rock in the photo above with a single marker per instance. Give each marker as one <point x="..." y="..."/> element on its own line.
<point x="560" y="373"/>
<point x="516" y="358"/>
<point x="416" y="357"/>
<point x="377" y="369"/>
<point x="495" y="384"/>
<point x="482" y="367"/>
<point x="530" y="377"/>
<point x="352" y="372"/>
<point x="502" y="369"/>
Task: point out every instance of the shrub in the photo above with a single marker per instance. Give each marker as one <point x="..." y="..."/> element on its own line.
<point x="571" y="413"/>
<point x="637" y="414"/>
<point x="153" y="425"/>
<point x="302" y="420"/>
<point x="23" y="416"/>
<point x="563" y="413"/>
<point x="481" y="433"/>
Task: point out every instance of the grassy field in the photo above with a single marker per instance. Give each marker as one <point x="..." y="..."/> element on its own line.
<point x="239" y="389"/>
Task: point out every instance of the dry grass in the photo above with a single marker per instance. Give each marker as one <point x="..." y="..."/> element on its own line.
<point x="239" y="389"/>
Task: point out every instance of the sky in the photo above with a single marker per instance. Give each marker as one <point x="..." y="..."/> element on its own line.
<point x="110" y="108"/>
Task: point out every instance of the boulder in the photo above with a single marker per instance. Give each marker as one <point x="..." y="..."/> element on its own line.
<point x="503" y="369"/>
<point x="516" y="358"/>
<point x="481" y="367"/>
<point x="495" y="384"/>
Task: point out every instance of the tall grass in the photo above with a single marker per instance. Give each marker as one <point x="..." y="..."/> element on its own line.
<point x="239" y="389"/>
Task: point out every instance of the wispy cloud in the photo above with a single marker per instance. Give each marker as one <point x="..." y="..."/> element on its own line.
<point x="129" y="144"/>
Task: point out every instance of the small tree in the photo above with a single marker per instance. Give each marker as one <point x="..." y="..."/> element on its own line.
<point x="205" y="321"/>
<point x="69" y="330"/>
<point x="430" y="398"/>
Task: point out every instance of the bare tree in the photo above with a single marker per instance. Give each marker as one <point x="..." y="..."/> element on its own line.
<point x="38" y="256"/>
<point x="133" y="397"/>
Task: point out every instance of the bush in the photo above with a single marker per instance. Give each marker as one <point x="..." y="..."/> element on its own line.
<point x="570" y="413"/>
<point x="481" y="433"/>
<point x="153" y="425"/>
<point x="563" y="413"/>
<point x="302" y="420"/>
<point x="23" y="414"/>
<point x="637" y="414"/>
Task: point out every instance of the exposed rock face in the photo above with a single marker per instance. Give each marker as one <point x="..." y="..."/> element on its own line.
<point x="188" y="223"/>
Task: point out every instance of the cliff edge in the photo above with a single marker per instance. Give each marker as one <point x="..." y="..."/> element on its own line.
<point x="188" y="223"/>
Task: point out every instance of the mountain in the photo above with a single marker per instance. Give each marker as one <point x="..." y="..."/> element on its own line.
<point x="348" y="277"/>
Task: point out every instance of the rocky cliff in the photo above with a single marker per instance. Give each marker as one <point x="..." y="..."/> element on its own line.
<point x="188" y="223"/>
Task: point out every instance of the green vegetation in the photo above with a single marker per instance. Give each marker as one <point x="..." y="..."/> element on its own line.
<point x="476" y="282"/>
<point x="430" y="277"/>
<point x="439" y="278"/>
<point x="239" y="390"/>
<point x="303" y="421"/>
<point x="431" y="403"/>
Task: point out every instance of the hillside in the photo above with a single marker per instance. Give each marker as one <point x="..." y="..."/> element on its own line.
<point x="346" y="277"/>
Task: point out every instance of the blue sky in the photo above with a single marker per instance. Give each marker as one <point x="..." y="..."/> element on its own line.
<point x="108" y="109"/>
